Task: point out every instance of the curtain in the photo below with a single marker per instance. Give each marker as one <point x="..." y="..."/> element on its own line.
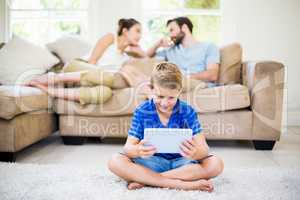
<point x="4" y="21"/>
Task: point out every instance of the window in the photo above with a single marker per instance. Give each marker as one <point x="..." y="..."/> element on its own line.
<point x="205" y="15"/>
<point x="42" y="21"/>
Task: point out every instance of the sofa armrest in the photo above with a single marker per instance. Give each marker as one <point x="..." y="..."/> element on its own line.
<point x="265" y="81"/>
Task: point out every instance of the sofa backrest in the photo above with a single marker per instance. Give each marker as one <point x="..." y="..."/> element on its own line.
<point x="230" y="66"/>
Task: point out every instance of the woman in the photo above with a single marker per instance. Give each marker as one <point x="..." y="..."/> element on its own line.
<point x="111" y="50"/>
<point x="109" y="54"/>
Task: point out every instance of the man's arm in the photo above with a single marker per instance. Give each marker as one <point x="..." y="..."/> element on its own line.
<point x="211" y="74"/>
<point x="212" y="58"/>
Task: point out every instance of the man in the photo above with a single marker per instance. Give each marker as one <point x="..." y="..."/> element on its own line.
<point x="197" y="60"/>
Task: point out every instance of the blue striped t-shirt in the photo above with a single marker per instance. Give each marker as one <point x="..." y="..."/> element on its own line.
<point x="145" y="116"/>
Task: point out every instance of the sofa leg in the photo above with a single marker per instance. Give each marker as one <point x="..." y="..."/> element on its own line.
<point x="7" y="156"/>
<point x="264" y="145"/>
<point x="73" y="140"/>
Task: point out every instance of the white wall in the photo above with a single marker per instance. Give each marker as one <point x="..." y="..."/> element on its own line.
<point x="268" y="30"/>
<point x="104" y="15"/>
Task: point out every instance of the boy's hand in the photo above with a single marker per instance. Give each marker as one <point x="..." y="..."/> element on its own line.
<point x="145" y="151"/>
<point x="189" y="149"/>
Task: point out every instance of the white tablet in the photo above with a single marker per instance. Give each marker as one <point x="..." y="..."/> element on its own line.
<point x="167" y="140"/>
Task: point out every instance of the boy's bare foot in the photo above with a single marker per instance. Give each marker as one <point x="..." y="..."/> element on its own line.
<point x="202" y="184"/>
<point x="134" y="186"/>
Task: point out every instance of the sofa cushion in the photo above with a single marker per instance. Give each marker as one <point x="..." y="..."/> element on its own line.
<point x="68" y="48"/>
<point x="221" y="98"/>
<point x="124" y="101"/>
<point x="15" y="100"/>
<point x="20" y="60"/>
<point x="230" y="67"/>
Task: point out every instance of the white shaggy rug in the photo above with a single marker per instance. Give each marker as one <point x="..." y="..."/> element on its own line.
<point x="33" y="181"/>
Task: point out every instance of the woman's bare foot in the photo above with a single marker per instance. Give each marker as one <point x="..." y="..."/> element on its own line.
<point x="45" y="79"/>
<point x="42" y="87"/>
<point x="134" y="186"/>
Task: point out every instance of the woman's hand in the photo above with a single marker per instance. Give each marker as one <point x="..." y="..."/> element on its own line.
<point x="135" y="51"/>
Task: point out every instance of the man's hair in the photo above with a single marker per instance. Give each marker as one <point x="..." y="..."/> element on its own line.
<point x="166" y="75"/>
<point x="181" y="21"/>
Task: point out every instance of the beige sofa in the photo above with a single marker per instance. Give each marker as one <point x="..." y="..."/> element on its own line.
<point x="247" y="106"/>
<point x="25" y="118"/>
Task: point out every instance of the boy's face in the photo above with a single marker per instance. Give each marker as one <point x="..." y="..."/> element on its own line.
<point x="165" y="98"/>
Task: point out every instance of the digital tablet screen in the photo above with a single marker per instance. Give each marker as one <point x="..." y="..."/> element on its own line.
<point x="167" y="140"/>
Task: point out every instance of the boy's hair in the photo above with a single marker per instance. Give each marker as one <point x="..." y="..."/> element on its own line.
<point x="166" y="75"/>
<point x="181" y="21"/>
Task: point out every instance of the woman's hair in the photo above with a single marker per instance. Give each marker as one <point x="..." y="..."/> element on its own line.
<point x="126" y="23"/>
<point x="166" y="75"/>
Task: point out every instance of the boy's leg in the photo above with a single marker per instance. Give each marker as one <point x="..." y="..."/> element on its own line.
<point x="208" y="168"/>
<point x="123" y="167"/>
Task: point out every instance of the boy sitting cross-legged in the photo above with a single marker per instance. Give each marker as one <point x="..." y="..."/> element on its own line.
<point x="140" y="165"/>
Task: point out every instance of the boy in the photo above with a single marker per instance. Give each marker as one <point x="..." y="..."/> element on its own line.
<point x="140" y="165"/>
